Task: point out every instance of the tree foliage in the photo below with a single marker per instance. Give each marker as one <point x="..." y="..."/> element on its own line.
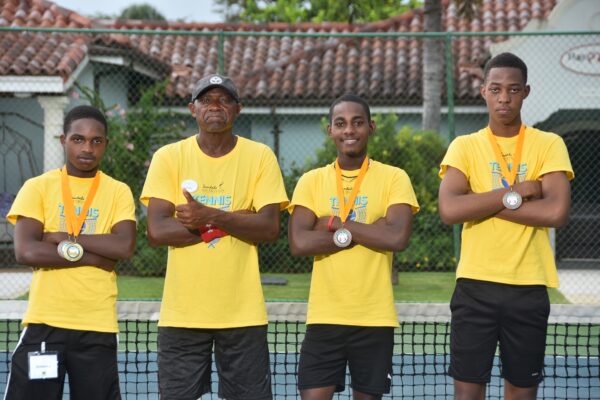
<point x="142" y="11"/>
<point x="291" y="11"/>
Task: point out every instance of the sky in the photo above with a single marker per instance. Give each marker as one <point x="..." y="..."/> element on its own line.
<point x="189" y="11"/>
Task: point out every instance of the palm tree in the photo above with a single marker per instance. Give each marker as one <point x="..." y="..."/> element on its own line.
<point x="433" y="57"/>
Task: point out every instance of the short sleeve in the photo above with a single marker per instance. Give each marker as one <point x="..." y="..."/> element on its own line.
<point x="269" y="187"/>
<point x="455" y="158"/>
<point x="125" y="206"/>
<point x="28" y="203"/>
<point x="160" y="178"/>
<point x="402" y="192"/>
<point x="557" y="159"/>
<point x="304" y="193"/>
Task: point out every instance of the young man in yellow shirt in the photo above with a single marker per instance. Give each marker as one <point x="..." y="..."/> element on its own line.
<point x="211" y="198"/>
<point x="507" y="184"/>
<point x="350" y="215"/>
<point x="72" y="225"/>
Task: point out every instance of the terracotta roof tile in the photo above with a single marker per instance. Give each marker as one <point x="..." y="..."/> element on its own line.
<point x="268" y="69"/>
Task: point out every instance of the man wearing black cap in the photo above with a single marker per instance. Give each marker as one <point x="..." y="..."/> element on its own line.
<point x="211" y="198"/>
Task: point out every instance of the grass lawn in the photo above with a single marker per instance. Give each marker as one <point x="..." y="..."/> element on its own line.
<point x="420" y="287"/>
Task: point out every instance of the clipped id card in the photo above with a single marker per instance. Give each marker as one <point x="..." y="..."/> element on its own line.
<point x="43" y="365"/>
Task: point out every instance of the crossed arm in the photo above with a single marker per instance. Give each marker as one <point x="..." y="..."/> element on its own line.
<point x="546" y="202"/>
<point x="309" y="235"/>
<point x="173" y="225"/>
<point x="35" y="248"/>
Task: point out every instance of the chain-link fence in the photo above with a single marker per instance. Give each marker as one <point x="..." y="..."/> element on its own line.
<point x="143" y="79"/>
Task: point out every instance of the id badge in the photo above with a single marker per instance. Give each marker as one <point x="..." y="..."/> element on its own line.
<point x="43" y="365"/>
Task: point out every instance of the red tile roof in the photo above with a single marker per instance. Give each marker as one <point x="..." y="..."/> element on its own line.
<point x="270" y="69"/>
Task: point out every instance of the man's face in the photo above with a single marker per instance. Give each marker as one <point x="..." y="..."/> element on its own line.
<point x="215" y="111"/>
<point x="84" y="144"/>
<point x="504" y="91"/>
<point x="350" y="128"/>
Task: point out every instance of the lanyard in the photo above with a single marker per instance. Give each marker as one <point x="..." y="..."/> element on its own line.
<point x="346" y="207"/>
<point x="74" y="223"/>
<point x="509" y="175"/>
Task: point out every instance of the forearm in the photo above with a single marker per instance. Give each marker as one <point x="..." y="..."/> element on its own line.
<point x="460" y="208"/>
<point x="45" y="255"/>
<point x="538" y="213"/>
<point x="170" y="232"/>
<point x="249" y="227"/>
<point x="314" y="243"/>
<point x="112" y="246"/>
<point x="378" y="236"/>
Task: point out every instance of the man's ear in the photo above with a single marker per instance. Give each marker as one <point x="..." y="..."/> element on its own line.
<point x="329" y="130"/>
<point x="192" y="108"/>
<point x="526" y="91"/>
<point x="63" y="139"/>
<point x="373" y="126"/>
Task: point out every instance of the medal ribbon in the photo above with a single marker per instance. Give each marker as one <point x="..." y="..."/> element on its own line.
<point x="346" y="207"/>
<point x="74" y="223"/>
<point x="509" y="175"/>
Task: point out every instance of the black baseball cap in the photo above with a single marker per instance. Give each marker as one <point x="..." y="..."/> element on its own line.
<point x="212" y="81"/>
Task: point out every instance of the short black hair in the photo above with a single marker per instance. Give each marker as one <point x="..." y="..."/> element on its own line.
<point x="352" y="98"/>
<point x="504" y="60"/>
<point x="81" y="112"/>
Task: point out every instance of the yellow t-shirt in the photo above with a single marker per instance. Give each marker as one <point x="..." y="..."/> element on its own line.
<point x="216" y="284"/>
<point x="494" y="249"/>
<point x="353" y="286"/>
<point x="82" y="298"/>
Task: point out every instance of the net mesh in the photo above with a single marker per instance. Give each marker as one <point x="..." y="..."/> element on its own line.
<point x="421" y="354"/>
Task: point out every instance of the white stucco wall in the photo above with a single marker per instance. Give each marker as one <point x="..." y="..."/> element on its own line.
<point x="564" y="71"/>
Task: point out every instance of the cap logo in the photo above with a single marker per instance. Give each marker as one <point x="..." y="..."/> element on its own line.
<point x="216" y="80"/>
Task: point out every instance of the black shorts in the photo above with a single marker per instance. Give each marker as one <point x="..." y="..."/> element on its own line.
<point x="89" y="358"/>
<point x="327" y="349"/>
<point x="487" y="313"/>
<point x="241" y="357"/>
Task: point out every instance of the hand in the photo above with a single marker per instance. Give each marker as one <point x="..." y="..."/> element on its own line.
<point x="323" y="222"/>
<point x="55" y="237"/>
<point x="529" y="190"/>
<point x="192" y="214"/>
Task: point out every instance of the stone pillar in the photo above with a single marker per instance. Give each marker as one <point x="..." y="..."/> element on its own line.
<point x="54" y="107"/>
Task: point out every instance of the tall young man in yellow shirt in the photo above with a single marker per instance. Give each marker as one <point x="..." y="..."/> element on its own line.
<point x="507" y="183"/>
<point x="72" y="225"/>
<point x="211" y="198"/>
<point x="350" y="215"/>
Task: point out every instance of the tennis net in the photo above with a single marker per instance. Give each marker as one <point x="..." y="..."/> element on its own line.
<point x="420" y="362"/>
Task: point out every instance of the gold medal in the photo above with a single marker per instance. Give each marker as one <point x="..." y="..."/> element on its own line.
<point x="61" y="247"/>
<point x="73" y="251"/>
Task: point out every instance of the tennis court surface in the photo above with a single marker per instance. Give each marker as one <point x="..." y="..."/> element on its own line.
<point x="421" y="357"/>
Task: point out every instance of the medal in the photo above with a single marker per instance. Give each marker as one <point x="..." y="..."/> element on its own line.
<point x="342" y="237"/>
<point x="69" y="249"/>
<point x="512" y="200"/>
<point x="72" y="251"/>
<point x="61" y="246"/>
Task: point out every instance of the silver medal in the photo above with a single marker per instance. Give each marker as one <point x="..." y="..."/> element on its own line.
<point x="512" y="200"/>
<point x="342" y="237"/>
